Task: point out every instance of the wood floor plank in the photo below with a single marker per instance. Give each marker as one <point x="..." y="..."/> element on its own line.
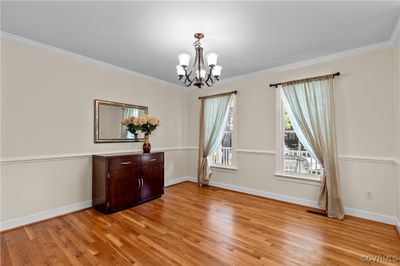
<point x="200" y="226"/>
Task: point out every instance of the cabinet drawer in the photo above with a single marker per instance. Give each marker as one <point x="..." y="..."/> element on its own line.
<point x="122" y="163"/>
<point x="152" y="158"/>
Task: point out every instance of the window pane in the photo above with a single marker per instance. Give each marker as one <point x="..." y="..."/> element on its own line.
<point x="296" y="159"/>
<point x="223" y="155"/>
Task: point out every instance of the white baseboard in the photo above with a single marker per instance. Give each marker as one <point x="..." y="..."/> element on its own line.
<point x="174" y="181"/>
<point x="377" y="217"/>
<point x="266" y="194"/>
<point x="309" y="203"/>
<point x="87" y="204"/>
<point x="36" y="217"/>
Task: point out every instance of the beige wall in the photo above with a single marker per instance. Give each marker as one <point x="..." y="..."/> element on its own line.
<point x="47" y="128"/>
<point x="47" y="110"/>
<point x="365" y="112"/>
<point x="397" y="76"/>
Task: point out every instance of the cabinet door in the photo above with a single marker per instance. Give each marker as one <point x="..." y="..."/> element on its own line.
<point x="123" y="187"/>
<point x="152" y="181"/>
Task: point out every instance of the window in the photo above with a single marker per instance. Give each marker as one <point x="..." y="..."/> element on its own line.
<point x="224" y="154"/>
<point x="293" y="159"/>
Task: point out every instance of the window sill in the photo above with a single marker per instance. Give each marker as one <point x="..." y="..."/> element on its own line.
<point x="298" y="178"/>
<point x="224" y="167"/>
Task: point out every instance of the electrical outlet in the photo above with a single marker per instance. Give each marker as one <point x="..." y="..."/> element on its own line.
<point x="368" y="195"/>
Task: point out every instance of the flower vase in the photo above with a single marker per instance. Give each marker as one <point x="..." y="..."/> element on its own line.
<point x="146" y="144"/>
<point x="136" y="136"/>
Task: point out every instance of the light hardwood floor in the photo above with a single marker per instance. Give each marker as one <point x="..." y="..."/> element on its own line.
<point x="200" y="226"/>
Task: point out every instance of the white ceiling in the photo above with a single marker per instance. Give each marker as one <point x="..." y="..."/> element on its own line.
<point x="146" y="37"/>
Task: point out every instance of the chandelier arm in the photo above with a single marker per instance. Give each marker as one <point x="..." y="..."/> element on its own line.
<point x="209" y="76"/>
<point x="189" y="84"/>
<point x="208" y="79"/>
<point x="188" y="81"/>
<point x="212" y="81"/>
<point x="187" y="76"/>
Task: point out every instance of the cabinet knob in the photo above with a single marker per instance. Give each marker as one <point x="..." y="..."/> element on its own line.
<point x="152" y="160"/>
<point x="125" y="162"/>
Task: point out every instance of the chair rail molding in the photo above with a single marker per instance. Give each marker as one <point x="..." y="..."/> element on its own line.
<point x="263" y="152"/>
<point x="87" y="155"/>
<point x="75" y="156"/>
<point x="351" y="158"/>
<point x="367" y="159"/>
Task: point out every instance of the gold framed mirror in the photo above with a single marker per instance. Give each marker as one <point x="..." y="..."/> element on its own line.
<point x="107" y="121"/>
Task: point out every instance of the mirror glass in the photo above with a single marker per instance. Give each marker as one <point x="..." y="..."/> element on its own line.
<point x="108" y="117"/>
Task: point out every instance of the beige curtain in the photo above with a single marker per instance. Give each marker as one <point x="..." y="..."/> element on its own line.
<point x="213" y="118"/>
<point x="312" y="110"/>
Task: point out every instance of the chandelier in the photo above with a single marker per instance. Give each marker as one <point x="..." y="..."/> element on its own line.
<point x="199" y="74"/>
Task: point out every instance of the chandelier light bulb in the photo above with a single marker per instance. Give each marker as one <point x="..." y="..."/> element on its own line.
<point x="184" y="59"/>
<point x="180" y="71"/>
<point x="212" y="59"/>
<point x="216" y="72"/>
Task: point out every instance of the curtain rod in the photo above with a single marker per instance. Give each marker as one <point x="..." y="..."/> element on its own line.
<point x="220" y="94"/>
<point x="281" y="83"/>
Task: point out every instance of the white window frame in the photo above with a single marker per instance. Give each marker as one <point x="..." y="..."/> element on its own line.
<point x="280" y="131"/>
<point x="233" y="166"/>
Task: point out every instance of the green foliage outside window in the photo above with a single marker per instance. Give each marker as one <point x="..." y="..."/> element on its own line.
<point x="286" y="122"/>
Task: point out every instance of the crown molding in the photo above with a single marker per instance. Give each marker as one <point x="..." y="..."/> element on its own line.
<point x="396" y="32"/>
<point x="13" y="37"/>
<point x="326" y="58"/>
<point x="310" y="62"/>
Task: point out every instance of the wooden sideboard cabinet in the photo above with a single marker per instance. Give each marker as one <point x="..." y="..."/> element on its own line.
<point x="121" y="181"/>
